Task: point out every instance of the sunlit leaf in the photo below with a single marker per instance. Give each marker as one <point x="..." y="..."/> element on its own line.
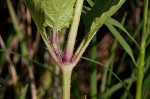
<point x="56" y="14"/>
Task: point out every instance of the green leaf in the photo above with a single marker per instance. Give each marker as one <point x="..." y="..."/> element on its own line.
<point x="24" y="92"/>
<point x="56" y="14"/>
<point x="121" y="84"/>
<point x="93" y="24"/>
<point x="116" y="87"/>
<point x="120" y="26"/>
<point x="121" y="40"/>
<point x="97" y="10"/>
<point x="90" y="2"/>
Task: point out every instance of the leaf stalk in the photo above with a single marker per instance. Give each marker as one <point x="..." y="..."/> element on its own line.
<point x="73" y="32"/>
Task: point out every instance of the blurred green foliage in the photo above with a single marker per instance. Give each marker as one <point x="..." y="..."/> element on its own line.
<point x="23" y="56"/>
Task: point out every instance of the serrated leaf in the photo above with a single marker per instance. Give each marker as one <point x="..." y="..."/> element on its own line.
<point x="97" y="10"/>
<point x="93" y="26"/>
<point x="56" y="14"/>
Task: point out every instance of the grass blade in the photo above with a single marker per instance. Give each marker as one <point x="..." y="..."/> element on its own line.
<point x="115" y="88"/>
<point x="120" y="26"/>
<point x="121" y="40"/>
<point x="23" y="95"/>
<point x="93" y="75"/>
<point x="131" y="97"/>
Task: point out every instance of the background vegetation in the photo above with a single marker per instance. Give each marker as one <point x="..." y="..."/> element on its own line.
<point x="26" y="69"/>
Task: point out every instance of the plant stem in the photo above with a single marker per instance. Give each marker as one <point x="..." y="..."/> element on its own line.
<point x="142" y="53"/>
<point x="93" y="76"/>
<point x="140" y="74"/>
<point x="66" y="71"/>
<point x="97" y="24"/>
<point x="73" y="31"/>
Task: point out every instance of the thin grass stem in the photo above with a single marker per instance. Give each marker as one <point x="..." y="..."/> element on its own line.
<point x="141" y="62"/>
<point x="93" y="74"/>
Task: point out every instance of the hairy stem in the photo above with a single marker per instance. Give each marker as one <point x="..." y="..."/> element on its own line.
<point x="66" y="71"/>
<point x="55" y="44"/>
<point x="88" y="37"/>
<point x="73" y="31"/>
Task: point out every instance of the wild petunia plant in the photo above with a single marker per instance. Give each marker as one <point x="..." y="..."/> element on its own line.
<point x="51" y="16"/>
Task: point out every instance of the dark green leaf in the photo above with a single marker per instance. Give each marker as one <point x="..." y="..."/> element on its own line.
<point x="97" y="10"/>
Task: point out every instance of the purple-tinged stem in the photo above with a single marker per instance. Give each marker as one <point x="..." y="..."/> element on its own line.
<point x="73" y="32"/>
<point x="55" y="45"/>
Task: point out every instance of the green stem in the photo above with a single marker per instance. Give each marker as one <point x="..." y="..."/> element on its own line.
<point x="93" y="76"/>
<point x="140" y="75"/>
<point x="73" y="31"/>
<point x="142" y="53"/>
<point x="97" y="24"/>
<point x="66" y="71"/>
